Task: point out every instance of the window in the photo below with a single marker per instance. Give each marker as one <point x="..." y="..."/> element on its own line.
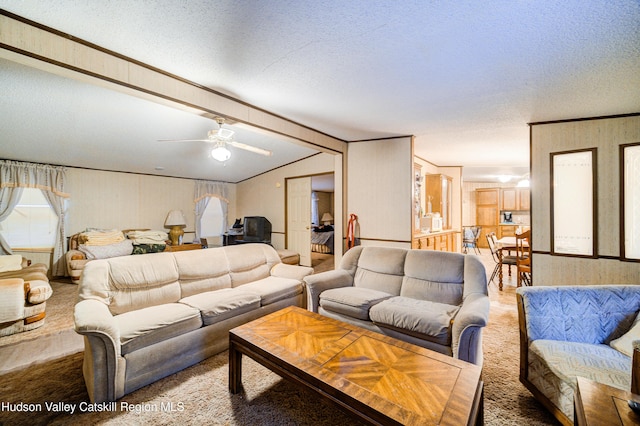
<point x="32" y="224"/>
<point x="212" y="219"/>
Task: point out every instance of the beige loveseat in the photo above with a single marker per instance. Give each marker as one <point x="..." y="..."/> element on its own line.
<point x="145" y="317"/>
<point x="437" y="300"/>
<point x="24" y="291"/>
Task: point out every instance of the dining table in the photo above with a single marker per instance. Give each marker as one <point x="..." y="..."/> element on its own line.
<point x="507" y="244"/>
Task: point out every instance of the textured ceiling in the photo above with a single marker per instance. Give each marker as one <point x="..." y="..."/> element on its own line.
<point x="464" y="77"/>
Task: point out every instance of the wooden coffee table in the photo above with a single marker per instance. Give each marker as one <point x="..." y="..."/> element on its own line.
<point x="378" y="379"/>
<point x="602" y="405"/>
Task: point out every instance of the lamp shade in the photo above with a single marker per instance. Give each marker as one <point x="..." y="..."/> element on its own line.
<point x="326" y="218"/>
<point x="175" y="218"/>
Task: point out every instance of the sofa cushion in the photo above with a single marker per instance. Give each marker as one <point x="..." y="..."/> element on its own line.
<point x="420" y="318"/>
<point x="624" y="343"/>
<point x="222" y="304"/>
<point x="146" y="326"/>
<point x="554" y="366"/>
<point x="10" y="262"/>
<point x="273" y="289"/>
<point x="381" y="268"/>
<point x="202" y="270"/>
<point x="250" y="262"/>
<point x="434" y="276"/>
<point x="600" y="363"/>
<point x="352" y="301"/>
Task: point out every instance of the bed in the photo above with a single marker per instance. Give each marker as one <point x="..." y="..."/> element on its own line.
<point x="322" y="242"/>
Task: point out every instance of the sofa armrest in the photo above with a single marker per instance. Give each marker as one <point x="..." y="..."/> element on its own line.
<point x="295" y="272"/>
<point x="318" y="283"/>
<point x="466" y="331"/>
<point x="93" y="317"/>
<point x="102" y="368"/>
<point x="75" y="255"/>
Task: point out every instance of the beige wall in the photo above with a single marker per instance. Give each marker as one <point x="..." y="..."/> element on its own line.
<point x="606" y="135"/>
<point x="104" y="199"/>
<point x="325" y="204"/>
<point x="264" y="195"/>
<point x="379" y="183"/>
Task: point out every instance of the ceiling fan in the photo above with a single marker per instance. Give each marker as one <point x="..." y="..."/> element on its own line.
<point x="221" y="138"/>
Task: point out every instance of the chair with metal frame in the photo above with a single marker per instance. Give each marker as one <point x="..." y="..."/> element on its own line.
<point x="470" y="236"/>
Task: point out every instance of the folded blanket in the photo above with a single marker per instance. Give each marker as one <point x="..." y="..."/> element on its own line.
<point x="147" y="237"/>
<point x="100" y="238"/>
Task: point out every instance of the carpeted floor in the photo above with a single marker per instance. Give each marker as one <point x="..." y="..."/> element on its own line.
<point x="199" y="394"/>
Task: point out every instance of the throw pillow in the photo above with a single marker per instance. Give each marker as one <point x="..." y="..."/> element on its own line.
<point x="624" y="343"/>
<point x="10" y="262"/>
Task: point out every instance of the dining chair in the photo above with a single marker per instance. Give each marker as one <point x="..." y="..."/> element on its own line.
<point x="470" y="236"/>
<point x="523" y="257"/>
<point x="499" y="258"/>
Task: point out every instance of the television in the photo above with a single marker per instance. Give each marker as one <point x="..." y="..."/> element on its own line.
<point x="256" y="229"/>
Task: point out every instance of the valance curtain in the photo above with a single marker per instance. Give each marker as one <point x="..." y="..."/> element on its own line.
<point x="50" y="180"/>
<point x="204" y="190"/>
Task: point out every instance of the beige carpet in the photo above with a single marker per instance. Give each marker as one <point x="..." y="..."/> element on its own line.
<point x="199" y="395"/>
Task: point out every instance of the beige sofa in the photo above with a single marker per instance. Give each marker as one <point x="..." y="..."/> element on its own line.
<point x="437" y="300"/>
<point x="24" y="291"/>
<point x="145" y="317"/>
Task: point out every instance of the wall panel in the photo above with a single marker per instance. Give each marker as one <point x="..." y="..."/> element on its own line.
<point x="105" y="199"/>
<point x="605" y="134"/>
<point x="379" y="183"/>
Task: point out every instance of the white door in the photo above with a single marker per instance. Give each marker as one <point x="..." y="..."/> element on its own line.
<point x="299" y="218"/>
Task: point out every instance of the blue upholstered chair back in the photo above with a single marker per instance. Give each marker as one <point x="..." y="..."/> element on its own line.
<point x="584" y="314"/>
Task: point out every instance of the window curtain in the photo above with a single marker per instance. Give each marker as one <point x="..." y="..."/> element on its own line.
<point x="9" y="198"/>
<point x="315" y="216"/>
<point x="204" y="190"/>
<point x="50" y="180"/>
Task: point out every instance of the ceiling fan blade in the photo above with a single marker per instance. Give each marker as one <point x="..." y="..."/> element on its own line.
<point x="185" y="140"/>
<point x="250" y="148"/>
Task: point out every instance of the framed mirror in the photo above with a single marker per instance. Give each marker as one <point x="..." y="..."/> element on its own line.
<point x="630" y="202"/>
<point x="574" y="203"/>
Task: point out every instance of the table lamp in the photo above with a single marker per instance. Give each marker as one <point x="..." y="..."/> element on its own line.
<point x="326" y="219"/>
<point x="176" y="221"/>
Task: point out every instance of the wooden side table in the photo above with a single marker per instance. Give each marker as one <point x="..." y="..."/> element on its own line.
<point x="183" y="247"/>
<point x="603" y="405"/>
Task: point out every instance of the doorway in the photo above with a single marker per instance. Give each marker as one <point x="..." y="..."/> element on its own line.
<point x="311" y="214"/>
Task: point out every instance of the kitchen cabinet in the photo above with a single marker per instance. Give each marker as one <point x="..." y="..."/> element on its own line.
<point x="438" y="192"/>
<point x="487" y="213"/>
<point x="440" y="241"/>
<point x="514" y="199"/>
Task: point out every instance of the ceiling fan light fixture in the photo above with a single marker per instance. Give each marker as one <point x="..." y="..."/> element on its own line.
<point x="220" y="153"/>
<point x="225" y="134"/>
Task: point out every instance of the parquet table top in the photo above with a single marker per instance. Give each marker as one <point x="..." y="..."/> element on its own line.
<point x="602" y="405"/>
<point x="376" y="378"/>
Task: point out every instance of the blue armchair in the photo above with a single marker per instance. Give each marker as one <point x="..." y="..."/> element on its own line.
<point x="566" y="332"/>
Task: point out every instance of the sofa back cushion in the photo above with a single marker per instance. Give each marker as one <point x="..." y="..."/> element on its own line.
<point x="593" y="314"/>
<point x="250" y="262"/>
<point x="381" y="269"/>
<point x="131" y="282"/>
<point x="203" y="270"/>
<point x="434" y="275"/>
